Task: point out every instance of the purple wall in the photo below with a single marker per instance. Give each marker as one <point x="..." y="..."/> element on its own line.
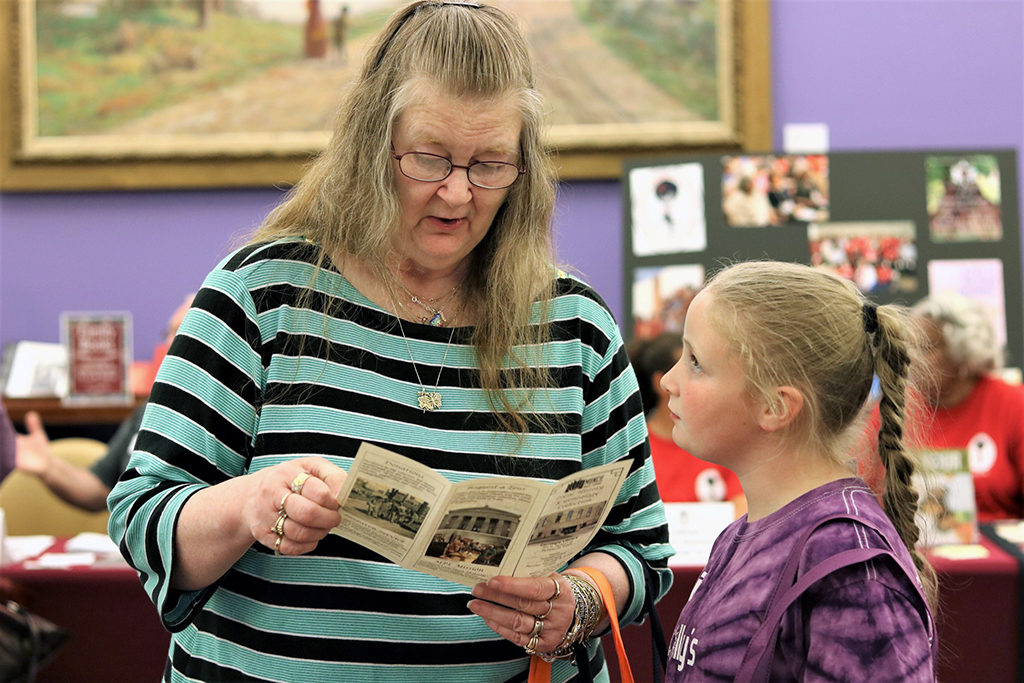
<point x="898" y="74"/>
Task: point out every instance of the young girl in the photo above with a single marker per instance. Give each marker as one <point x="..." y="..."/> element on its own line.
<point x="777" y="364"/>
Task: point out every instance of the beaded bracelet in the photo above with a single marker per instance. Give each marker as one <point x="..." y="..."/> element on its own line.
<point x="584" y="620"/>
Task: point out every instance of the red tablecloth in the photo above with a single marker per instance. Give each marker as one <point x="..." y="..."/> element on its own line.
<point x="977" y="619"/>
<point x="116" y="634"/>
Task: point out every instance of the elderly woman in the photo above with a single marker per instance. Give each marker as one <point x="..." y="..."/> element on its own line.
<point x="404" y="295"/>
<point x="973" y="408"/>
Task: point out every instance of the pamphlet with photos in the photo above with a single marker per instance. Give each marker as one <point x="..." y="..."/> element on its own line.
<point x="947" y="510"/>
<point x="471" y="530"/>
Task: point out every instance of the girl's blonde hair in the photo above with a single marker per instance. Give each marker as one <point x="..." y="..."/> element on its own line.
<point x="793" y="325"/>
<point x="347" y="202"/>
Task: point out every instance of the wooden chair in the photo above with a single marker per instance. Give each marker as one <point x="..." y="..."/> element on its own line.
<point x="30" y="508"/>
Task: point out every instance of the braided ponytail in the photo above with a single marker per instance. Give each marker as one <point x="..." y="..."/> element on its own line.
<point x="887" y="332"/>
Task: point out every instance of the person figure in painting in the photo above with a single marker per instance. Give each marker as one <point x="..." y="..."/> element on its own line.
<point x="681" y="477"/>
<point x="433" y="201"/>
<point x="777" y="367"/>
<point x="339" y="35"/>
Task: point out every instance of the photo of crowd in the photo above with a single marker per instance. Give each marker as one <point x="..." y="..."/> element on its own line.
<point x="963" y="196"/>
<point x="878" y="256"/>
<point x="661" y="297"/>
<point x="387" y="507"/>
<point x="761" y="191"/>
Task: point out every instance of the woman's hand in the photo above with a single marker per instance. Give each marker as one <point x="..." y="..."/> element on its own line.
<point x="294" y="504"/>
<point x="533" y="613"/>
<point x="219" y="523"/>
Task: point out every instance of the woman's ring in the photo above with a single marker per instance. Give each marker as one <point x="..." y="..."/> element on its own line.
<point x="278" y="527"/>
<point x="277" y="545"/>
<point x="558" y="590"/>
<point x="531" y="647"/>
<point x="299" y="481"/>
<point x="551" y="606"/>
<point x="280" y="508"/>
<point x="538" y="626"/>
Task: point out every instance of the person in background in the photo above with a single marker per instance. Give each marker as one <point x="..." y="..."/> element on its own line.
<point x="8" y="444"/>
<point x="85" y="488"/>
<point x="774" y="380"/>
<point x="681" y="477"/>
<point x="970" y="406"/>
<point x="404" y="294"/>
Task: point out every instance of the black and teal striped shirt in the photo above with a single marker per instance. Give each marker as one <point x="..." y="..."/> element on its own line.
<point x="258" y="375"/>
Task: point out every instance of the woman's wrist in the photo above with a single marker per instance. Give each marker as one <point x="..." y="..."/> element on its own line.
<point x="587" y="614"/>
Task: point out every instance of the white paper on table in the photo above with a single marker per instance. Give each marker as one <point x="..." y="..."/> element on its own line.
<point x="90" y="542"/>
<point x="693" y="528"/>
<point x="61" y="560"/>
<point x="20" y="548"/>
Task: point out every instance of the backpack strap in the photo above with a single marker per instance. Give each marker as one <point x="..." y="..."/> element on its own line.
<point x="757" y="660"/>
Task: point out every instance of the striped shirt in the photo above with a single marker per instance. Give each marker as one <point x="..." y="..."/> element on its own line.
<point x="259" y="374"/>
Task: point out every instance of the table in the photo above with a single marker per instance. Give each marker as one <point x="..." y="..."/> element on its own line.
<point x="56" y="412"/>
<point x="977" y="623"/>
<point x="116" y="634"/>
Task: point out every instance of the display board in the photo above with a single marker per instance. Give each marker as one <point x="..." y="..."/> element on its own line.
<point x="901" y="225"/>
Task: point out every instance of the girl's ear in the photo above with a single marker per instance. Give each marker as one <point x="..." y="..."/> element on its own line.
<point x="788" y="405"/>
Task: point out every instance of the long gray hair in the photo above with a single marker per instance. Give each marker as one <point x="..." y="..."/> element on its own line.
<point x="347" y="202"/>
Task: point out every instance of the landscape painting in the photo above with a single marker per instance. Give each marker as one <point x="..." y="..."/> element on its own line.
<point x="142" y="81"/>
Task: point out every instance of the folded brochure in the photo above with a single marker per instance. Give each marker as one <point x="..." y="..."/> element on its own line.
<point x="471" y="530"/>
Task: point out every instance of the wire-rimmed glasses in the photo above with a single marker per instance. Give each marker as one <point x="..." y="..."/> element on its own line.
<point x="432" y="168"/>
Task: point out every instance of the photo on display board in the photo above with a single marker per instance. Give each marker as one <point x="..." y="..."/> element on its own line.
<point x="978" y="279"/>
<point x="877" y="256"/>
<point x="963" y="197"/>
<point x="661" y="296"/>
<point x="667" y="207"/>
<point x="761" y="191"/>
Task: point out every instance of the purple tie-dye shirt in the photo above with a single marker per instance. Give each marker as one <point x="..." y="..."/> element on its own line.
<point x="860" y="623"/>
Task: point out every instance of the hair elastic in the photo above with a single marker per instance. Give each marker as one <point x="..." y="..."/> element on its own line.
<point x="869" y="314"/>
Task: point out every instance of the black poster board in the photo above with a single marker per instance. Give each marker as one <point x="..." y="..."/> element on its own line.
<point x="876" y="198"/>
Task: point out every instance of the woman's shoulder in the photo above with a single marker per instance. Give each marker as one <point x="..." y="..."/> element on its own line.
<point x="256" y="254"/>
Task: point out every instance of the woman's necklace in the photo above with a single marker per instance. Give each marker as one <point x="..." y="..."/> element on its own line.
<point x="428" y="400"/>
<point x="434" y="307"/>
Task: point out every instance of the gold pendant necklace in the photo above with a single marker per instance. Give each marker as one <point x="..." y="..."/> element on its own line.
<point x="427" y="400"/>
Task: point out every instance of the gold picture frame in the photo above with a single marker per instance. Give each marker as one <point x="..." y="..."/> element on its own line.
<point x="33" y="162"/>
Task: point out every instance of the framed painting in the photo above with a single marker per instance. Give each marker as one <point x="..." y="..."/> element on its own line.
<point x="125" y="94"/>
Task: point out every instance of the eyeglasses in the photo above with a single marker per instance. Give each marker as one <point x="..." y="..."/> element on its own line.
<point x="432" y="168"/>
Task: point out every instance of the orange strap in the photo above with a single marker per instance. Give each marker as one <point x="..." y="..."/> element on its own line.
<point x="540" y="671"/>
